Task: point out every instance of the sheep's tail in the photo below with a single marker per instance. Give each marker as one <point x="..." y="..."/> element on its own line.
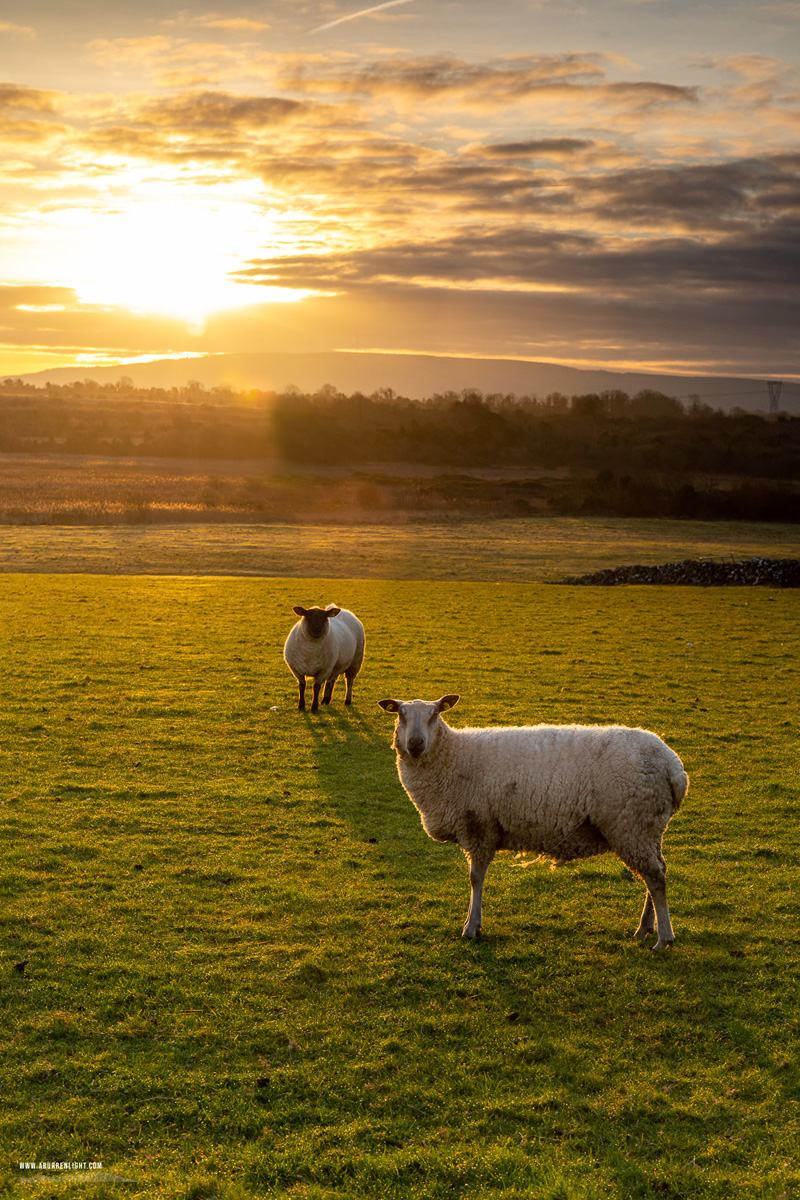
<point x="678" y="780"/>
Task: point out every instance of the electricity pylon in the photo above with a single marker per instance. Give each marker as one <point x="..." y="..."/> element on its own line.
<point x="775" y="387"/>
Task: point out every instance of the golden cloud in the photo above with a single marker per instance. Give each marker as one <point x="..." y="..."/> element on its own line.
<point x="17" y="30"/>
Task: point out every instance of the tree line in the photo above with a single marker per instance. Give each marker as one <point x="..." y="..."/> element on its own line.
<point x="610" y="432"/>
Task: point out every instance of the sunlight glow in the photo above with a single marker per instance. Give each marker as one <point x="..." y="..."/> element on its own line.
<point x="171" y="254"/>
<point x="172" y="258"/>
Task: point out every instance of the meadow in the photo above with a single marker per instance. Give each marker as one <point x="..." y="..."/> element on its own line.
<point x="531" y="549"/>
<point x="232" y="963"/>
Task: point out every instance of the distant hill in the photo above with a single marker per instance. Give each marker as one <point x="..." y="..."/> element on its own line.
<point x="420" y="375"/>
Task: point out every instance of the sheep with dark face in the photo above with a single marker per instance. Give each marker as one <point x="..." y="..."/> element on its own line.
<point x="560" y="791"/>
<point x="325" y="643"/>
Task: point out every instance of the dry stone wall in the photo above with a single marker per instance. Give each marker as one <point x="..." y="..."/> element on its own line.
<point x="707" y="572"/>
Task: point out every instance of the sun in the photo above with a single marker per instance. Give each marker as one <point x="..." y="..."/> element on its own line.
<point x="172" y="256"/>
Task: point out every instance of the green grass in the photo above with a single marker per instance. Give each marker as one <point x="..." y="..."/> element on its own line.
<point x="245" y="976"/>
<point x="533" y="549"/>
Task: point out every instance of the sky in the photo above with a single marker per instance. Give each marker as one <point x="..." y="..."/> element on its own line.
<point x="605" y="184"/>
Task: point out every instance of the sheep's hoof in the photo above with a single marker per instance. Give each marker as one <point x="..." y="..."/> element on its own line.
<point x="473" y="934"/>
<point x="662" y="945"/>
<point x="642" y="935"/>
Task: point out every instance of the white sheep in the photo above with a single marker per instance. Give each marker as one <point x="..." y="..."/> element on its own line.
<point x="324" y="643"/>
<point x="560" y="791"/>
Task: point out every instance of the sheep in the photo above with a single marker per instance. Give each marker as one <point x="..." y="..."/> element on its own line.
<point x="561" y="791"/>
<point x="324" y="643"/>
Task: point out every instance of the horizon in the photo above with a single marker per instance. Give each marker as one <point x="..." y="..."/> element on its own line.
<point x="200" y="356"/>
<point x="414" y="377"/>
<point x="610" y="190"/>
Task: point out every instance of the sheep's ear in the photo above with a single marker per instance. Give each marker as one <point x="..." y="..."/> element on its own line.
<point x="301" y="612"/>
<point x="447" y="702"/>
<point x="332" y="610"/>
<point x="392" y="706"/>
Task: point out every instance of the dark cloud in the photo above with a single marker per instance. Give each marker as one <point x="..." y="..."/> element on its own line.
<point x="643" y="95"/>
<point x="577" y="263"/>
<point x="484" y="85"/>
<point x="223" y="111"/>
<point x="442" y="75"/>
<point x="761" y="256"/>
<point x="561" y="147"/>
<point x="706" y="196"/>
<point x="682" y="328"/>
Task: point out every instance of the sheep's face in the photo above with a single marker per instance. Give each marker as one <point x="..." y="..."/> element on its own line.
<point x="315" y="620"/>
<point x="417" y="725"/>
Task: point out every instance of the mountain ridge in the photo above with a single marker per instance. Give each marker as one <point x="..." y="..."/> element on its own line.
<point x="419" y="376"/>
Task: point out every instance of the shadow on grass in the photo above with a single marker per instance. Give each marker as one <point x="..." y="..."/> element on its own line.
<point x="357" y="776"/>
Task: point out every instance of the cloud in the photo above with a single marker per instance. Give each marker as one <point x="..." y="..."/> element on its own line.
<point x="48" y="321"/>
<point x="109" y="52"/>
<point x="231" y="24"/>
<point x="17" y="30"/>
<point x="744" y="221"/>
<point x="710" y="197"/>
<point x="37" y="100"/>
<point x="31" y="132"/>
<point x="216" y="126"/>
<point x="210" y="110"/>
<point x="174" y="62"/>
<point x="538" y="148"/>
<point x="484" y="86"/>
<point x="27" y="116"/>
<point x="440" y="77"/>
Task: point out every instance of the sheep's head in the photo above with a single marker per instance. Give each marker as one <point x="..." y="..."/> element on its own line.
<point x="316" y="619"/>
<point x="417" y="724"/>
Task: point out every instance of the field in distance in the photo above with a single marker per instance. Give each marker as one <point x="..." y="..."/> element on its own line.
<point x="232" y="958"/>
<point x="544" y="549"/>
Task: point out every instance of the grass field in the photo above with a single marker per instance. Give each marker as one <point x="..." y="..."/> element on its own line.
<point x="535" y="549"/>
<point x="244" y="971"/>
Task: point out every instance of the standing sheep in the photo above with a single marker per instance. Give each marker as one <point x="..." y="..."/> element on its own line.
<point x="560" y="791"/>
<point x="324" y="643"/>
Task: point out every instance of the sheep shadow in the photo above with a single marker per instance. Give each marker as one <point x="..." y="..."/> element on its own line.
<point x="355" y="772"/>
<point x="357" y="787"/>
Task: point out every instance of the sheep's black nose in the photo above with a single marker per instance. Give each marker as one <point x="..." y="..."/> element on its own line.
<point x="415" y="747"/>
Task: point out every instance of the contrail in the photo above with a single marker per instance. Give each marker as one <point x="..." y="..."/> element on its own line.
<point x="361" y="13"/>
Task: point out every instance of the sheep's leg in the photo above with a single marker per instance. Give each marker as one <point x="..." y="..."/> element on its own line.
<point x="479" y="863"/>
<point x="329" y="686"/>
<point x="654" y="876"/>
<point x="648" y="921"/>
<point x="301" y="685"/>
<point x="658" y="890"/>
<point x="315" y="700"/>
<point x="351" y="678"/>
